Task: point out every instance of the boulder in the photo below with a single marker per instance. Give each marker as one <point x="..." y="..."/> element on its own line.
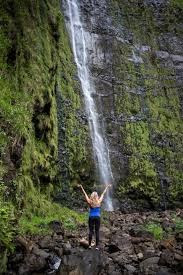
<point x="47" y="243"/>
<point x="89" y="262"/>
<point x="149" y="265"/>
<point x="130" y="268"/>
<point x="67" y="248"/>
<point x="32" y="263"/>
<point x="57" y="227"/>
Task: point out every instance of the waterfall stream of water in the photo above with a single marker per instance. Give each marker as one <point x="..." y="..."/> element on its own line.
<point x="79" y="45"/>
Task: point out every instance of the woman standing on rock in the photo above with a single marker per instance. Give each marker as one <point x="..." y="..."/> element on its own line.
<point x="94" y="215"/>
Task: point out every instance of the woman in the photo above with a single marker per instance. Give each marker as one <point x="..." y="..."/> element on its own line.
<point x="94" y="215"/>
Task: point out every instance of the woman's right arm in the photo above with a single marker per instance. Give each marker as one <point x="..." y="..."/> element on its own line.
<point x="86" y="196"/>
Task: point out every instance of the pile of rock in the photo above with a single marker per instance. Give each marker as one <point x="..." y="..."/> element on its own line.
<point x="126" y="248"/>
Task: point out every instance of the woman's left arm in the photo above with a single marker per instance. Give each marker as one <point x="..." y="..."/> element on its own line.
<point x="102" y="196"/>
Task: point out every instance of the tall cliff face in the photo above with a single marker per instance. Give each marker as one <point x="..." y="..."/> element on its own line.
<point x="151" y="93"/>
<point x="39" y="96"/>
<point x="43" y="130"/>
<point x="137" y="64"/>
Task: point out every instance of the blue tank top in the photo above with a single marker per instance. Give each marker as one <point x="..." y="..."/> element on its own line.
<point x="94" y="212"/>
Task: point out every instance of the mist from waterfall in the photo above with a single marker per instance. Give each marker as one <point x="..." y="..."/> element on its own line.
<point x="79" y="45"/>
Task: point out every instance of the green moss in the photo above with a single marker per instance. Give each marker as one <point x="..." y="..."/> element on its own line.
<point x="156" y="140"/>
<point x="6" y="224"/>
<point x="178" y="224"/>
<point x="142" y="179"/>
<point x="127" y="103"/>
<point x="177" y="3"/>
<point x="7" y="227"/>
<point x="142" y="176"/>
<point x="4" y="260"/>
<point x="137" y="137"/>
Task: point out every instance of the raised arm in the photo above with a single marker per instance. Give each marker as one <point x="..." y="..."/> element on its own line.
<point x="105" y="190"/>
<point x="86" y="196"/>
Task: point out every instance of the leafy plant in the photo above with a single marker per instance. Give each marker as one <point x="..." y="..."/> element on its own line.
<point x="178" y="224"/>
<point x="156" y="230"/>
<point x="7" y="220"/>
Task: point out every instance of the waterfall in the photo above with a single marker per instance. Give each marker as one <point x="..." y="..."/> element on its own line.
<point x="79" y="45"/>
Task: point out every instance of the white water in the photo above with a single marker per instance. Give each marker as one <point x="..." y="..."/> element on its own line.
<point x="79" y="45"/>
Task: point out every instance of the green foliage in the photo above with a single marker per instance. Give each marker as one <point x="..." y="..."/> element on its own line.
<point x="138" y="137"/>
<point x="156" y="230"/>
<point x="3" y="141"/>
<point x="126" y="103"/>
<point x="3" y="261"/>
<point x="147" y="90"/>
<point x="177" y="3"/>
<point x="105" y="218"/>
<point x="6" y="224"/>
<point x="142" y="172"/>
<point x="39" y="210"/>
<point x="37" y="222"/>
<point x="178" y="224"/>
<point x="14" y="107"/>
<point x="7" y="221"/>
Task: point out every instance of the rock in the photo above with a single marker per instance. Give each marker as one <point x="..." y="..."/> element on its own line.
<point x="131" y="269"/>
<point x="119" y="252"/>
<point x="168" y="244"/>
<point x="67" y="248"/>
<point x="123" y="243"/>
<point x="18" y="257"/>
<point x="149" y="250"/>
<point x="32" y="263"/>
<point x="39" y="252"/>
<point x="178" y="257"/>
<point x="104" y="232"/>
<point x="167" y="225"/>
<point x="179" y="236"/>
<point x="83" y="243"/>
<point x="24" y="270"/>
<point x="111" y="269"/>
<point x="167" y="257"/>
<point x="58" y="238"/>
<point x="59" y="251"/>
<point x="177" y="58"/>
<point x="150" y="264"/>
<point x="112" y="248"/>
<point x="140" y="256"/>
<point x="162" y="54"/>
<point x="121" y="258"/>
<point x="164" y="271"/>
<point x="136" y="240"/>
<point x="88" y="262"/>
<point x="140" y="233"/>
<point x="57" y="227"/>
<point x="46" y="242"/>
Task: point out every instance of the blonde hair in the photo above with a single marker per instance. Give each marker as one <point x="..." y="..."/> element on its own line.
<point x="94" y="200"/>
